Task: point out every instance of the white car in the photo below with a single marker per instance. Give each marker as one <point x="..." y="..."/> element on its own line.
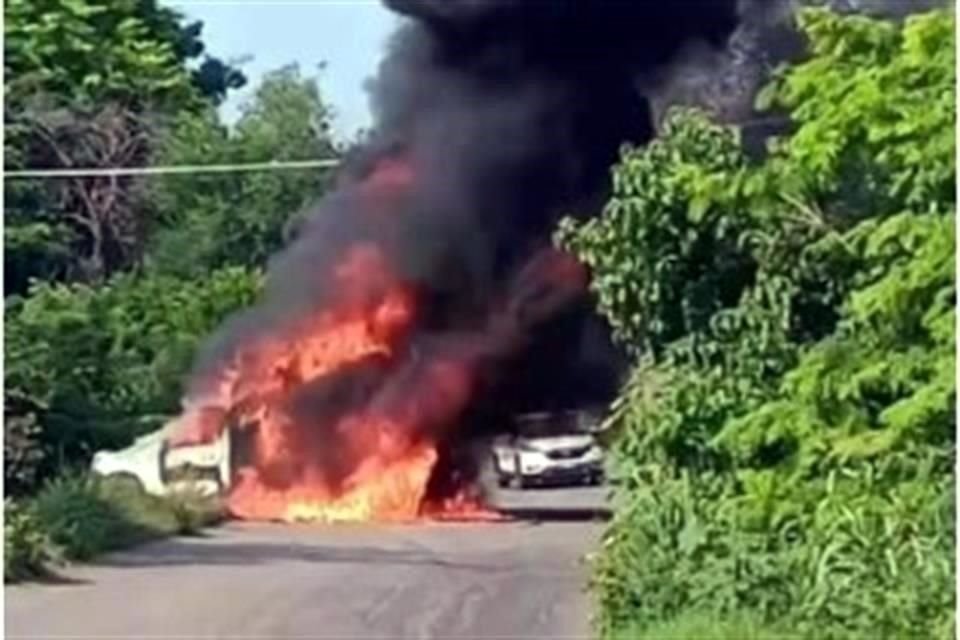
<point x="521" y="461"/>
<point x="160" y="469"/>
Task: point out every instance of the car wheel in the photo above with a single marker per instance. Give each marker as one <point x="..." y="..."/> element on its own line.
<point x="125" y="481"/>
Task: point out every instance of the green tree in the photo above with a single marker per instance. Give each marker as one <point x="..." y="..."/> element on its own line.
<point x="785" y="446"/>
<point x="92" y="51"/>
<point x="89" y="83"/>
<point x="243" y="218"/>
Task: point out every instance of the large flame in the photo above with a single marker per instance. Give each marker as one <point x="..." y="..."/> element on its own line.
<point x="342" y="411"/>
<point x="381" y="489"/>
<point x="286" y="478"/>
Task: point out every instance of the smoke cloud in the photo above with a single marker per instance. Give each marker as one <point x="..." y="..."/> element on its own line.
<point x="493" y="118"/>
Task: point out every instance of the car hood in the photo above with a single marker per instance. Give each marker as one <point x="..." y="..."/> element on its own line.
<point x="553" y="443"/>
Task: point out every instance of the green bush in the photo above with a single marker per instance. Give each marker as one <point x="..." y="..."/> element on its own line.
<point x="22" y="451"/>
<point x="784" y="448"/>
<point x="77" y="517"/>
<point x="80" y="517"/>
<point x="28" y="551"/>
<point x="193" y="511"/>
<point x="705" y="627"/>
<point x="90" y="368"/>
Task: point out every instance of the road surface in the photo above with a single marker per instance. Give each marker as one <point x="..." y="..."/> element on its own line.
<point x="522" y="579"/>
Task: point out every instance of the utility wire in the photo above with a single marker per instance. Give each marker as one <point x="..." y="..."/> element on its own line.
<point x="182" y="169"/>
<point x="294" y="165"/>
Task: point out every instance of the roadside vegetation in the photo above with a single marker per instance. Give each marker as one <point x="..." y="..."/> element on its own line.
<point x="785" y="446"/>
<point x="783" y="452"/>
<point x="111" y="283"/>
<point x="77" y="517"/>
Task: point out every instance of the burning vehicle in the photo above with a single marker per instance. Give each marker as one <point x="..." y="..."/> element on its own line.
<point x="423" y="301"/>
<point x="549" y="448"/>
<point x="157" y="468"/>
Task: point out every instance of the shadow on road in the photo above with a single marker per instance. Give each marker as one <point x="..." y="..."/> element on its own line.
<point x="179" y="552"/>
<point x="208" y="551"/>
<point x="54" y="578"/>
<point x="556" y="514"/>
<point x="224" y="547"/>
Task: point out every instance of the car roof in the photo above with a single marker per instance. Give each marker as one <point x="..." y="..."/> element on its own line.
<point x="553" y="423"/>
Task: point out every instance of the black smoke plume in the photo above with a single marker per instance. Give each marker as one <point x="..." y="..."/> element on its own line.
<point x="512" y="112"/>
<point x="493" y="118"/>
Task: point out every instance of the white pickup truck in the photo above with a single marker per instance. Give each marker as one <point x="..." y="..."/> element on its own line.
<point x="160" y="469"/>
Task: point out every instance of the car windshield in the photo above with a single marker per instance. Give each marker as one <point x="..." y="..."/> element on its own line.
<point x="539" y="425"/>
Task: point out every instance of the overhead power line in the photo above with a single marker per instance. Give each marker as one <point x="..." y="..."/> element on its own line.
<point x="292" y="165"/>
<point x="94" y="172"/>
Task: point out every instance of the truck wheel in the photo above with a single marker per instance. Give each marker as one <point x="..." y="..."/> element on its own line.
<point x="518" y="482"/>
<point x="125" y="481"/>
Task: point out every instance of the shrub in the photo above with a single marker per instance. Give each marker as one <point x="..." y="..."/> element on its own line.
<point x="80" y="518"/>
<point x="28" y="551"/>
<point x="193" y="511"/>
<point x="705" y="627"/>
<point x="22" y="451"/>
<point x="86" y="515"/>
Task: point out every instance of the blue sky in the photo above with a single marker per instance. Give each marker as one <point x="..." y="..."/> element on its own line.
<point x="348" y="35"/>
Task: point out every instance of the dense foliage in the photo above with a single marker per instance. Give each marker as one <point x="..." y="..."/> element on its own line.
<point x="92" y="83"/>
<point x="76" y="517"/>
<point x="28" y="550"/>
<point x="785" y="445"/>
<point x="241" y="219"/>
<point x="96" y="50"/>
<point x="90" y="367"/>
<point x="112" y="282"/>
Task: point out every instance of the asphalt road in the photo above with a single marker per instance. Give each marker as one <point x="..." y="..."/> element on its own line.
<point x="519" y="579"/>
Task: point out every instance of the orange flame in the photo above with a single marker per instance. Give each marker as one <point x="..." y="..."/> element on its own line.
<point x="321" y="448"/>
<point x="286" y="477"/>
<point x="379" y="490"/>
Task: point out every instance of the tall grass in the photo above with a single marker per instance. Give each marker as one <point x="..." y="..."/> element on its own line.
<point x="77" y="517"/>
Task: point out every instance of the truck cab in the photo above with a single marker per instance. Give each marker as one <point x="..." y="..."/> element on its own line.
<point x="160" y="469"/>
